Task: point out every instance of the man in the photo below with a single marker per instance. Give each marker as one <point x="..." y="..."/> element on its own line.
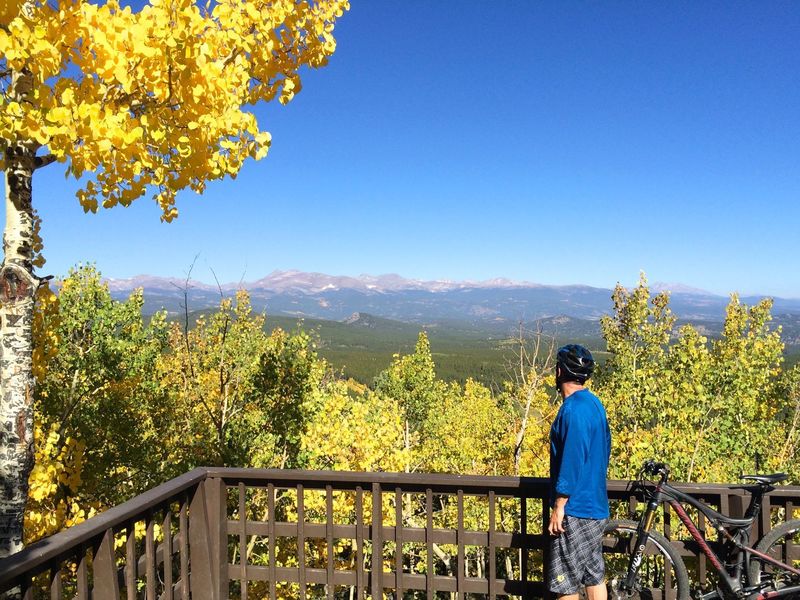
<point x="580" y="446"/>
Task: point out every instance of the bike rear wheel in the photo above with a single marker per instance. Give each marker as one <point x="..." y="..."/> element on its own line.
<point x="661" y="574"/>
<point x="783" y="544"/>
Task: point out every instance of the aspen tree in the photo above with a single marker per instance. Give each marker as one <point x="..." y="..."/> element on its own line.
<point x="133" y="103"/>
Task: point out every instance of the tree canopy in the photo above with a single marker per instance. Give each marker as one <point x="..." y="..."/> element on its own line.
<point x="132" y="102"/>
<point x="156" y="98"/>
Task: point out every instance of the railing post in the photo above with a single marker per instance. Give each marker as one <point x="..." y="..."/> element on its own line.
<point x="377" y="542"/>
<point x="106" y="583"/>
<point x="546" y="594"/>
<point x="208" y="541"/>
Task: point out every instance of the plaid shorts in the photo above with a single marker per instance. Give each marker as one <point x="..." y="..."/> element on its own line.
<point x="576" y="556"/>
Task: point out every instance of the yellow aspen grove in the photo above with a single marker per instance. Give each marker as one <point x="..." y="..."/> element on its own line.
<point x="143" y="102"/>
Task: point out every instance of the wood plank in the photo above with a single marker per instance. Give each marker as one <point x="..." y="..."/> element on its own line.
<point x="183" y="528"/>
<point x="150" y="559"/>
<point x="56" y="584"/>
<point x="166" y="553"/>
<point x="377" y="542"/>
<point x="271" y="539"/>
<point x="429" y="573"/>
<point x="360" y="586"/>
<point x="82" y="577"/>
<point x="398" y="542"/>
<point x="523" y="552"/>
<point x="546" y="546"/>
<point x="301" y="541"/>
<point x="201" y="581"/>
<point x="130" y="562"/>
<point x="492" y="548"/>
<point x="329" y="587"/>
<point x="106" y="582"/>
<point x="243" y="538"/>
<point x="461" y="559"/>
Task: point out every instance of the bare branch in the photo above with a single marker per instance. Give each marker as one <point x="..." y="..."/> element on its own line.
<point x="232" y="57"/>
<point x="43" y="161"/>
<point x="532" y="363"/>
<point x="185" y="290"/>
<point x="216" y="280"/>
<point x="190" y="363"/>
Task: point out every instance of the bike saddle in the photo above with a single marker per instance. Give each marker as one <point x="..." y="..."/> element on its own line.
<point x="765" y="479"/>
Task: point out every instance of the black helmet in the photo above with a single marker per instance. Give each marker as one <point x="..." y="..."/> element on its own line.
<point x="576" y="363"/>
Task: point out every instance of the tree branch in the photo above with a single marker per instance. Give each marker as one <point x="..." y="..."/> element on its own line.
<point x="43" y="161"/>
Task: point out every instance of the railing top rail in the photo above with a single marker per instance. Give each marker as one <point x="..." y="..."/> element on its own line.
<point x="407" y="481"/>
<point x="55" y="546"/>
<point x="478" y="484"/>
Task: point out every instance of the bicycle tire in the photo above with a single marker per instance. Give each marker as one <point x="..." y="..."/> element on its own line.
<point x="769" y="544"/>
<point x="620" y="535"/>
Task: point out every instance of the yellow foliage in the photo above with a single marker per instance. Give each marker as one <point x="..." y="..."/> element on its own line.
<point x="335" y="439"/>
<point x="45" y="330"/>
<point x="155" y="98"/>
<point x="54" y="481"/>
<point x="470" y="433"/>
<point x="9" y="9"/>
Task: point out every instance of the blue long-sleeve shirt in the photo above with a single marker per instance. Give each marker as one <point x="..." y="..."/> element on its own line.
<point x="580" y="448"/>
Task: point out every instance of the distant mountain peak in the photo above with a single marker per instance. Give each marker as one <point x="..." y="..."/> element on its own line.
<point x="155" y="282"/>
<point x="312" y="283"/>
<point x="679" y="288"/>
<point x="360" y="318"/>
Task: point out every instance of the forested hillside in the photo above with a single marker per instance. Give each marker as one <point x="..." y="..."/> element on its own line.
<point x="124" y="402"/>
<point x="361" y="346"/>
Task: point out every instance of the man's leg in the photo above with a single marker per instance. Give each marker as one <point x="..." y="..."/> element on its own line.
<point x="564" y="578"/>
<point x="596" y="592"/>
<point x="594" y="574"/>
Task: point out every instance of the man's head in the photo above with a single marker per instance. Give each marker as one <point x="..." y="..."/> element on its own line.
<point x="574" y="363"/>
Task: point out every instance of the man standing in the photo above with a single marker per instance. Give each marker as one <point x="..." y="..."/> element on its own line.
<point x="580" y="446"/>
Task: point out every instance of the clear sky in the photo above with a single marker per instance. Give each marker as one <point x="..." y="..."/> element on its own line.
<point x="555" y="142"/>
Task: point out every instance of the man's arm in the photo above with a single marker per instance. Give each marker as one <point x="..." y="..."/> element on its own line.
<point x="574" y="453"/>
<point x="557" y="516"/>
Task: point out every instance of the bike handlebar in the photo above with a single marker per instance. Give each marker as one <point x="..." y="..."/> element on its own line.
<point x="652" y="467"/>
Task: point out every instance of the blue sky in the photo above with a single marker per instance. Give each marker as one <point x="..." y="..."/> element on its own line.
<point x="554" y="142"/>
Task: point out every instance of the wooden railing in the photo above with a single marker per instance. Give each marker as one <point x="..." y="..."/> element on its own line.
<point x="247" y="533"/>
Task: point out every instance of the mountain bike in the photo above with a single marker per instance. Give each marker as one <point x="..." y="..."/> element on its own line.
<point x="642" y="563"/>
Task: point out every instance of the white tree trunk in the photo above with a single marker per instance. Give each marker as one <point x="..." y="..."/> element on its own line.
<point x="18" y="286"/>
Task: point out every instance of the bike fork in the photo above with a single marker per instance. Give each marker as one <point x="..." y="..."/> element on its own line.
<point x="642" y="535"/>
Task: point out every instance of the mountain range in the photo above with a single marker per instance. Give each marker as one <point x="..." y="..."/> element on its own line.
<point x="495" y="302"/>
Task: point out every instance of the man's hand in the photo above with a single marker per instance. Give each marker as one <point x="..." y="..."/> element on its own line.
<point x="556" y="526"/>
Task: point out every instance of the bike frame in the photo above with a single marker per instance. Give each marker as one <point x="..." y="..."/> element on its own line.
<point x="730" y="584"/>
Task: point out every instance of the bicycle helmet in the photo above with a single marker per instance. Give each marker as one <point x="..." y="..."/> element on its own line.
<point x="575" y="363"/>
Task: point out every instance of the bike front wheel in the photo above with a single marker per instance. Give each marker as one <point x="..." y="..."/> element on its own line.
<point x="782" y="544"/>
<point x="661" y="573"/>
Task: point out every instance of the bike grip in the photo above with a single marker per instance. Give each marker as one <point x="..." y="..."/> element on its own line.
<point x="653" y="467"/>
